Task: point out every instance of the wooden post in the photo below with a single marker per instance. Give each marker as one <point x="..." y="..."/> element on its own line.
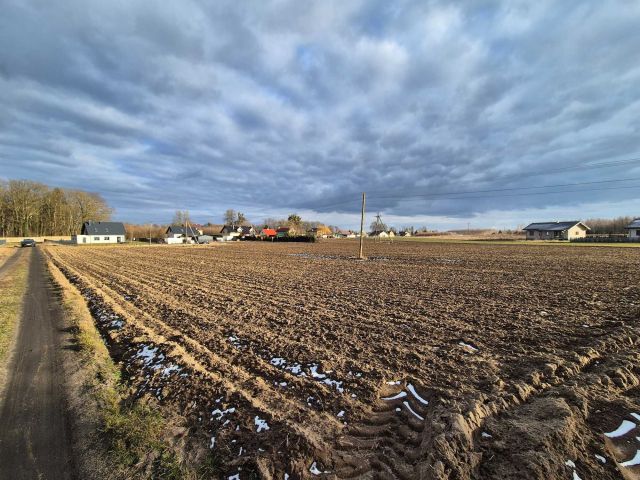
<point x="361" y="255"/>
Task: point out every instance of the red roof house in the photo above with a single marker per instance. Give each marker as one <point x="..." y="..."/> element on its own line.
<point x="268" y="232"/>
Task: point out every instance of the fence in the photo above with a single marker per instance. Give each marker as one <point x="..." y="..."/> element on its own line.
<point x="612" y="238"/>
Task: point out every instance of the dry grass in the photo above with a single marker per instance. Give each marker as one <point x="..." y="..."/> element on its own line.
<point x="13" y="286"/>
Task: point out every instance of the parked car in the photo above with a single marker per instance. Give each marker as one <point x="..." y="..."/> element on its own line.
<point x="28" y="242"/>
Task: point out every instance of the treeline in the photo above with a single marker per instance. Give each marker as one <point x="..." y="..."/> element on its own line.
<point x="32" y="209"/>
<point x="608" y="225"/>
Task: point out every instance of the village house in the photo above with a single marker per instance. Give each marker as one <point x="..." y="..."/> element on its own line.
<point x="178" y="233"/>
<point x="405" y="233"/>
<point x="382" y="234"/>
<point x="634" y="229"/>
<point x="556" y="230"/>
<point x="283" y="232"/>
<point x="268" y="233"/>
<point x="100" y="232"/>
<point x="233" y="232"/>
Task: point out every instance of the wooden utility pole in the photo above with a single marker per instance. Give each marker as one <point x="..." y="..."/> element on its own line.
<point x="361" y="255"/>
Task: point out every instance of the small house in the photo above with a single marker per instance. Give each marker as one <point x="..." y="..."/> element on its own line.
<point x="382" y="234"/>
<point x="268" y="233"/>
<point x="634" y="229"/>
<point x="178" y="231"/>
<point x="283" y="232"/>
<point x="100" y="232"/>
<point x="232" y="232"/>
<point x="556" y="230"/>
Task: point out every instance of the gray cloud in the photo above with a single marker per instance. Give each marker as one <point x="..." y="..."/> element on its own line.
<point x="278" y="106"/>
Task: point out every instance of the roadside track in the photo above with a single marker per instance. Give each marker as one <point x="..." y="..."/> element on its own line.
<point x="35" y="437"/>
<point x="6" y="266"/>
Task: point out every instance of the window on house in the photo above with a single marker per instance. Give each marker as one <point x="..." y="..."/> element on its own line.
<point x="96" y="238"/>
<point x="106" y="238"/>
<point x="638" y="233"/>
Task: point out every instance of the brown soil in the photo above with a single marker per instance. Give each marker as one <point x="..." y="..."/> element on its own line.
<point x="508" y="361"/>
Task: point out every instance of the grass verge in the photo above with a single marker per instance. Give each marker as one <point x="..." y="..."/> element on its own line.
<point x="13" y="285"/>
<point x="120" y="440"/>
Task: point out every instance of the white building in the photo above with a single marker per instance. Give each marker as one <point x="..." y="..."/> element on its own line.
<point x="634" y="229"/>
<point x="100" y="232"/>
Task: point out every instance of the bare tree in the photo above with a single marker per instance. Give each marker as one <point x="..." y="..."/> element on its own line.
<point x="31" y="208"/>
<point x="230" y="217"/>
<point x="181" y="217"/>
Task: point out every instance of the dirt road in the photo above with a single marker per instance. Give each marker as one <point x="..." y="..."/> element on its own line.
<point x="34" y="438"/>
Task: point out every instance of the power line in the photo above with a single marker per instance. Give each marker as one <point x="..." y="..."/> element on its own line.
<point x="613" y="163"/>
<point x="443" y="195"/>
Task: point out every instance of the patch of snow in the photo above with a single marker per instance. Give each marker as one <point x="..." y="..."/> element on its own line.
<point x="398" y="409"/>
<point x="170" y="369"/>
<point x="286" y="476"/>
<point x="213" y="442"/>
<point x="570" y="463"/>
<point x="283" y="384"/>
<point x="240" y="453"/>
<point x="314" y="469"/>
<point x="261" y="424"/>
<point x="334" y="383"/>
<point x="396" y="382"/>
<point x="625" y="427"/>
<point x="601" y="459"/>
<point x="296" y="369"/>
<point x="147" y="354"/>
<point x="486" y="435"/>
<point x="314" y="372"/>
<point x="341" y="413"/>
<point x="636" y="416"/>
<point x="406" y="404"/>
<point x="635" y="461"/>
<point x="277" y="361"/>
<point x="234" y="477"/>
<point x="468" y="346"/>
<point x="395" y="397"/>
<point x="415" y="394"/>
<point x="221" y="413"/>
<point x="576" y="476"/>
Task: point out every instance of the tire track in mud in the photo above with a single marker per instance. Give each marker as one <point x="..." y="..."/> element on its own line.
<point x="432" y="442"/>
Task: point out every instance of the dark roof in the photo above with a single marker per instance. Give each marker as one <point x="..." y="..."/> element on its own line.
<point x="179" y="229"/>
<point x="245" y="229"/>
<point x="283" y="229"/>
<point x="228" y="229"/>
<point x="554" y="226"/>
<point x="634" y="224"/>
<point x="103" y="228"/>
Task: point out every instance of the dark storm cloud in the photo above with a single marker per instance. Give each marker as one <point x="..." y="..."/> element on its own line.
<point x="274" y="106"/>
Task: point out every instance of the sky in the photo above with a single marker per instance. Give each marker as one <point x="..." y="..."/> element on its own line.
<point x="446" y="114"/>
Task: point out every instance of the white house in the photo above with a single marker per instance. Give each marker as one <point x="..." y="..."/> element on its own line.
<point x="100" y="232"/>
<point x="634" y="229"/>
<point x="382" y="234"/>
<point x="232" y="232"/>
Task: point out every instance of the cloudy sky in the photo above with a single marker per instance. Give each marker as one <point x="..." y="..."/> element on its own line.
<point x="444" y="114"/>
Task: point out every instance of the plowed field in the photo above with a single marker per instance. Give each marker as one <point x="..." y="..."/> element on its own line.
<point x="425" y="361"/>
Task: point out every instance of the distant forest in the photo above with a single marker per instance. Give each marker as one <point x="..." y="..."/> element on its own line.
<point x="34" y="209"/>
